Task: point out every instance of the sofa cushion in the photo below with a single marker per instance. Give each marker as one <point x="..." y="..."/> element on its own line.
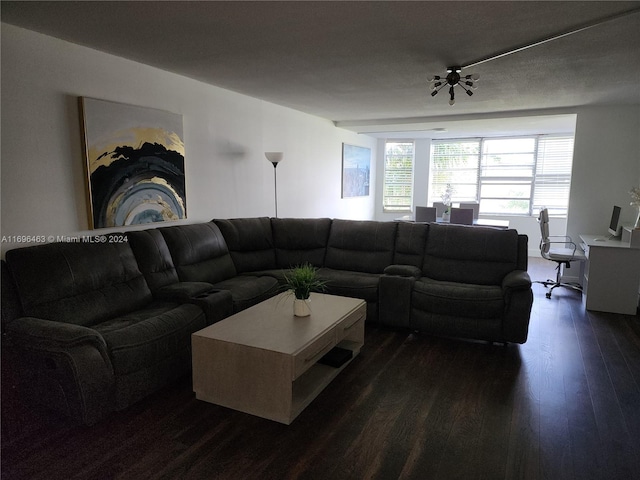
<point x="247" y="290"/>
<point x="457" y="299"/>
<point x="351" y="284"/>
<point x="81" y="283"/>
<point x="146" y="337"/>
<point x="360" y="246"/>
<point x="199" y="252"/>
<point x="300" y="240"/>
<point x="154" y="258"/>
<point x="250" y="242"/>
<point x="470" y="254"/>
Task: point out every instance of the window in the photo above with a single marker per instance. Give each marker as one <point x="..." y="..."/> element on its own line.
<point x="398" y="176"/>
<point x="553" y="175"/>
<point x="513" y="176"/>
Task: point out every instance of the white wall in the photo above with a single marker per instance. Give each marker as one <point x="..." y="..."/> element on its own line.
<point x="225" y="134"/>
<point x="606" y="166"/>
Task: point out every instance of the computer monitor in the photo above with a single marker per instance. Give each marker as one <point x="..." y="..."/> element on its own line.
<point x="614" y="226"/>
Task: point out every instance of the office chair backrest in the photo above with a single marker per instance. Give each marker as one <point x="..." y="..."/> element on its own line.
<point x="462" y="216"/>
<point x="425" y="214"/>
<point x="475" y="206"/>
<point x="543" y="220"/>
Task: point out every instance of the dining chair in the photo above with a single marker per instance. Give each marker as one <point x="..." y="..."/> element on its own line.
<point x="425" y="214"/>
<point x="462" y="216"/>
<point x="475" y="206"/>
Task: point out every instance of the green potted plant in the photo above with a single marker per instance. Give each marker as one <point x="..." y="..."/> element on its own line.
<point x="301" y="281"/>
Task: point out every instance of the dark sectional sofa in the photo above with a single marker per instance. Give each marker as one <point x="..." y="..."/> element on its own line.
<point x="97" y="325"/>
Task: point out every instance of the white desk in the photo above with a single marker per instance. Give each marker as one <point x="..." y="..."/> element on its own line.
<point x="611" y="275"/>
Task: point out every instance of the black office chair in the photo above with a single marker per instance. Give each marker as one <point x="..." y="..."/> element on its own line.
<point x="562" y="255"/>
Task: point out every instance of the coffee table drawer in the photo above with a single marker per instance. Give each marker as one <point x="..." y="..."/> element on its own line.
<point x="306" y="358"/>
<point x="352" y="327"/>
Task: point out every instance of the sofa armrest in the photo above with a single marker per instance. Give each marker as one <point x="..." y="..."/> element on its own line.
<point x="403" y="271"/>
<point x="516" y="279"/>
<point x="394" y="300"/>
<point x="518" y="299"/>
<point x="183" y="291"/>
<point x="38" y="334"/>
<point x="65" y="367"/>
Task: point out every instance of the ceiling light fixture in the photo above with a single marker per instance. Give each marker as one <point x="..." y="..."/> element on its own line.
<point x="453" y="78"/>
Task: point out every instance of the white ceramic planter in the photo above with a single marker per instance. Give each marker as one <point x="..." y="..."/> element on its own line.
<point x="301" y="307"/>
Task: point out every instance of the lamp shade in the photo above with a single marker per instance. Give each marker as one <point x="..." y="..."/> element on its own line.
<point x="274" y="157"/>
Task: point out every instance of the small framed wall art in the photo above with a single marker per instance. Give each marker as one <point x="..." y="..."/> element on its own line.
<point x="135" y="165"/>
<point x="356" y="169"/>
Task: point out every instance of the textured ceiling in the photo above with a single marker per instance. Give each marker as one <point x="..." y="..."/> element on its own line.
<point x="355" y="61"/>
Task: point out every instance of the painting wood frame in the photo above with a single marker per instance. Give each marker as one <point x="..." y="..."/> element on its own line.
<point x="356" y="171"/>
<point x="134" y="164"/>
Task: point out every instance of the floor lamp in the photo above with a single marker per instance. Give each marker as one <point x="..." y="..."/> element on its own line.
<point x="275" y="158"/>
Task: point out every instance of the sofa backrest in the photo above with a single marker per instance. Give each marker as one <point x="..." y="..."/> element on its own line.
<point x="9" y="300"/>
<point x="199" y="252"/>
<point x="250" y="242"/>
<point x="470" y="254"/>
<point x="411" y="240"/>
<point x="153" y="256"/>
<point x="300" y="240"/>
<point x="361" y="246"/>
<point x="523" y="252"/>
<point x="82" y="283"/>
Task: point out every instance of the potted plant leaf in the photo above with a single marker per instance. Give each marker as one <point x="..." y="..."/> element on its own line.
<point x="301" y="281"/>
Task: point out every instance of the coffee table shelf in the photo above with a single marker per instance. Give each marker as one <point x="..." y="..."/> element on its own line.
<point x="263" y="360"/>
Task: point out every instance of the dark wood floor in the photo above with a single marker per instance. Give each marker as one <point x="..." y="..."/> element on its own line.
<point x="565" y="405"/>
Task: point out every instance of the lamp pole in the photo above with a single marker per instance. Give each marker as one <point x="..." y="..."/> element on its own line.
<point x="275" y="158"/>
<point x="275" y="186"/>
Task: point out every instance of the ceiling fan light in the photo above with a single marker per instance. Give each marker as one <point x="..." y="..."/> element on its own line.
<point x="452" y="93"/>
<point x="452" y="80"/>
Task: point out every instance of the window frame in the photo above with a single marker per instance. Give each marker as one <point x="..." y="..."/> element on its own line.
<point x="535" y="181"/>
<point x="399" y="172"/>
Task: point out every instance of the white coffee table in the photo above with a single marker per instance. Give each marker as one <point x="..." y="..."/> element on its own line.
<point x="263" y="360"/>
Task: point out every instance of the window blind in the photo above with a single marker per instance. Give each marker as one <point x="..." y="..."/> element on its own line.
<point x="398" y="176"/>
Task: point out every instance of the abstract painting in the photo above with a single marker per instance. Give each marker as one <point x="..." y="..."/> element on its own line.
<point x="134" y="159"/>
<point x="356" y="165"/>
